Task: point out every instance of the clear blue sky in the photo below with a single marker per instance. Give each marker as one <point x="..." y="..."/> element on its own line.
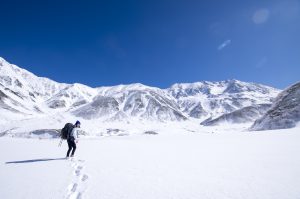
<point x="155" y="42"/>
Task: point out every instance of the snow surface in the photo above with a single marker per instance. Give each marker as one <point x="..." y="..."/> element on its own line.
<point x="178" y="162"/>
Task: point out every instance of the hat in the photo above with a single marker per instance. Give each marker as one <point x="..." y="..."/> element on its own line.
<point x="77" y="122"/>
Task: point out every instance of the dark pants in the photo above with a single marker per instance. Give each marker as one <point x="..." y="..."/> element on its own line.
<point x="72" y="145"/>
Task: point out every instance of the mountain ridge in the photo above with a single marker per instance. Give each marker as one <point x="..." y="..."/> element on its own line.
<point x="32" y="95"/>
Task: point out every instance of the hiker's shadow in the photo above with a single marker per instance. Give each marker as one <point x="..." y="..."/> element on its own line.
<point x="34" y="160"/>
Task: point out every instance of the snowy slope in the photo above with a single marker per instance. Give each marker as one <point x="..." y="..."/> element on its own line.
<point x="285" y="112"/>
<point x="23" y="91"/>
<point x="71" y="96"/>
<point x="27" y="84"/>
<point x="243" y="115"/>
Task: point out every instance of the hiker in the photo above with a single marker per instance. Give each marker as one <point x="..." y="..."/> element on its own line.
<point x="72" y="138"/>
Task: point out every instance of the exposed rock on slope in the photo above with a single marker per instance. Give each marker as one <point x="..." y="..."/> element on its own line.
<point x="243" y="115"/>
<point x="284" y="113"/>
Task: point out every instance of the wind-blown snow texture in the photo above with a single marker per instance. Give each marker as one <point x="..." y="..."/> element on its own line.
<point x="285" y="112"/>
<point x="26" y="96"/>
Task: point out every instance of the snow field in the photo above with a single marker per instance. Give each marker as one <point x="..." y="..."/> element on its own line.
<point x="235" y="165"/>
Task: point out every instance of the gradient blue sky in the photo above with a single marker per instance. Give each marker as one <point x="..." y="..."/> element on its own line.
<point x="157" y="43"/>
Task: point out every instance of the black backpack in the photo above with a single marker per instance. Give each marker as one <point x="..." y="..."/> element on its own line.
<point x="65" y="132"/>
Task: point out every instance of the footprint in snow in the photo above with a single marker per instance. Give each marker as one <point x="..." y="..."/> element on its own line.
<point x="84" y="178"/>
<point x="77" y="171"/>
<point x="76" y="189"/>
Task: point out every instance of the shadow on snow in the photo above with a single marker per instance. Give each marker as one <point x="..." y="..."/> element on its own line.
<point x="34" y="160"/>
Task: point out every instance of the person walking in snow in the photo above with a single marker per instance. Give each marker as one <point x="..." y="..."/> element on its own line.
<point x="72" y="139"/>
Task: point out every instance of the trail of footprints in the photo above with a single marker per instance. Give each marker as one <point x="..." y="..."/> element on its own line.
<point x="79" y="185"/>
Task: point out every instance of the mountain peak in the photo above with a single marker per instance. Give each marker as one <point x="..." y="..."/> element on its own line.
<point x="28" y="93"/>
<point x="2" y="60"/>
<point x="3" y="63"/>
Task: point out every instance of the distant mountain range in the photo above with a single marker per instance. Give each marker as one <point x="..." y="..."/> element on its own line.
<point x="23" y="94"/>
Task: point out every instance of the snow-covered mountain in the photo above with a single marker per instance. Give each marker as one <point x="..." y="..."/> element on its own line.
<point x="135" y="100"/>
<point x="22" y="94"/>
<point x="243" y="115"/>
<point x="213" y="99"/>
<point x="284" y="113"/>
<point x="71" y="96"/>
